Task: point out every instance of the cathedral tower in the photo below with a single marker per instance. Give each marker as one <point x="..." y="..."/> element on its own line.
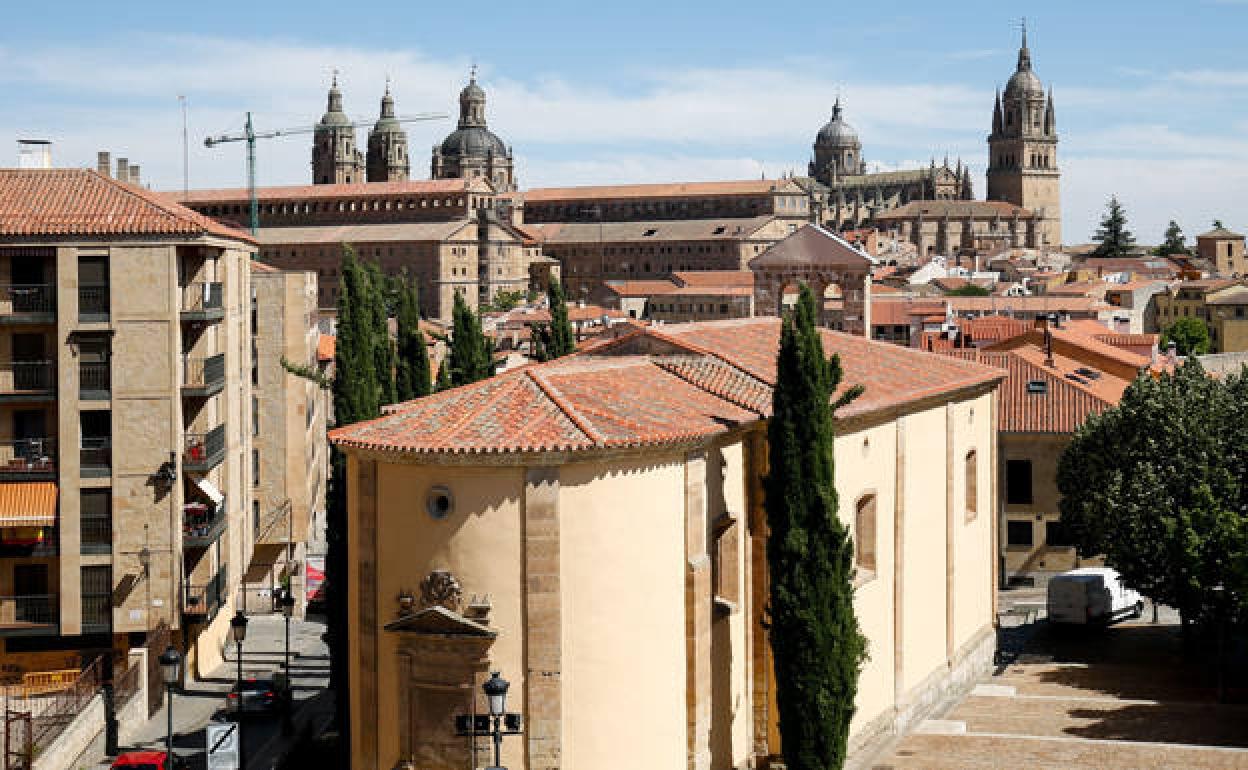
<point x="473" y="151"/>
<point x="1022" y="149"/>
<point x="335" y="160"/>
<point x="838" y="153"/>
<point x="387" y="146"/>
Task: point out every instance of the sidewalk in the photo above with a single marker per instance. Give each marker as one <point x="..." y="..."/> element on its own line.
<point x="201" y="701"/>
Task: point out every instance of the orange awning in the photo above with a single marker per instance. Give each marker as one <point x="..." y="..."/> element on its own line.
<point x="28" y="504"/>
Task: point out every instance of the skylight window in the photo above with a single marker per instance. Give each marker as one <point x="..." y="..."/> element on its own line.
<point x="1038" y="387"/>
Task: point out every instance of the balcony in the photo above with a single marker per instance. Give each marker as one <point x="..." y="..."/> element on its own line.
<point x="28" y="459"/>
<point x="97" y="613"/>
<point x="93" y="302"/>
<point x="201" y="301"/>
<point x="96" y="457"/>
<point x="27" y="381"/>
<point x="202" y="525"/>
<point x="31" y="614"/>
<point x="95" y="380"/>
<point x="205" y="599"/>
<point x="95" y="533"/>
<point x="27" y="303"/>
<point x="203" y="377"/>
<point x="204" y="451"/>
<point x="29" y="542"/>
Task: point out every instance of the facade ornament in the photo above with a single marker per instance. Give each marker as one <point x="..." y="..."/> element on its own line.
<point x="442" y="589"/>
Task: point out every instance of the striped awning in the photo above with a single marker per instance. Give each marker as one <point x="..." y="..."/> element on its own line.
<point x="28" y="504"/>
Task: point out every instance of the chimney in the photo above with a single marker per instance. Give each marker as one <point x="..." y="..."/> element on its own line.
<point x="123" y="170"/>
<point x="1172" y="352"/>
<point x="103" y="163"/>
<point x="134" y="174"/>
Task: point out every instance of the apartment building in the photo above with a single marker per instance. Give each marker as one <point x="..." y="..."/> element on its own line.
<point x="1221" y="303"/>
<point x="289" y="465"/>
<point x="125" y="416"/>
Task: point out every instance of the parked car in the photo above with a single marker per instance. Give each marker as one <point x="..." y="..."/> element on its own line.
<point x="255" y="695"/>
<point x="1091" y="595"/>
<point x="147" y="760"/>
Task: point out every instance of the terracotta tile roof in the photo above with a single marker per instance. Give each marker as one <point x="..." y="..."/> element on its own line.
<point x="435" y="232"/>
<point x="1054" y="404"/>
<point x="1081" y="348"/>
<point x="641" y="288"/>
<point x="325" y="346"/>
<point x="714" y="278"/>
<point x="1034" y="304"/>
<point x="1236" y="295"/>
<point x="662" y="190"/>
<point x="937" y="209"/>
<point x="993" y="328"/>
<point x="327" y="191"/>
<point x="1221" y="233"/>
<point x="80" y="202"/>
<point x="722" y="229"/>
<point x="650" y="386"/>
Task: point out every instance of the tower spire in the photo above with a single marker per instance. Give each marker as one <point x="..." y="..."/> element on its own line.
<point x="1024" y="53"/>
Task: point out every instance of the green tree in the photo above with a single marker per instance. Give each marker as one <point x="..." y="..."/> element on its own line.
<point x="1189" y="334"/>
<point x="1174" y="242"/>
<point x="379" y="325"/>
<point x="504" y="301"/>
<point x="411" y="372"/>
<point x="1156" y="485"/>
<point x="472" y="353"/>
<point x="444" y="376"/>
<point x="357" y="396"/>
<point x="1113" y="237"/>
<point x="969" y="290"/>
<point x="554" y="340"/>
<point x="814" y="632"/>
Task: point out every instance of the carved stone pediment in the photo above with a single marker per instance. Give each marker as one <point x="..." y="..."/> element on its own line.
<point x="439" y="621"/>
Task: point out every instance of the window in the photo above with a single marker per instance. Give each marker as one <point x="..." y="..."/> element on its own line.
<point x="726" y="563"/>
<point x="1018" y="533"/>
<point x="864" y="534"/>
<point x="97" y="595"/>
<point x="96" y="520"/>
<point x="93" y="289"/>
<point x="1018" y="482"/>
<point x="972" y="485"/>
<point x="1055" y="535"/>
<point x="255" y="467"/>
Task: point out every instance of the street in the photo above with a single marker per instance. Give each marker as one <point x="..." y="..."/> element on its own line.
<point x="205" y="700"/>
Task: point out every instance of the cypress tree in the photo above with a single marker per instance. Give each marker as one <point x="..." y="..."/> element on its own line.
<point x="411" y="373"/>
<point x="444" y="376"/>
<point x="357" y="396"/>
<point x="817" y="646"/>
<point x="472" y="354"/>
<point x="562" y="340"/>
<point x="379" y="333"/>
<point x="1113" y="237"/>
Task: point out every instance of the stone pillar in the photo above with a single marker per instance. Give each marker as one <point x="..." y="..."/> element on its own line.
<point x="697" y="615"/>
<point x="543" y="621"/>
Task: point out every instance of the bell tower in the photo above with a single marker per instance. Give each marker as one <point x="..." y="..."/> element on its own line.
<point x="387" y="159"/>
<point x="1022" y="149"/>
<point x="335" y="159"/>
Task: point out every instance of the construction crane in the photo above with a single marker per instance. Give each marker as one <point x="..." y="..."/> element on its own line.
<point x="249" y="135"/>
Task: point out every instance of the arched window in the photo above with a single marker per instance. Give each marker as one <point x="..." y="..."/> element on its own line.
<point x="972" y="485"/>
<point x="864" y="534"/>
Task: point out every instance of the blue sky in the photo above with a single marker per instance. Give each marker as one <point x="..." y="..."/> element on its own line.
<point x="1152" y="98"/>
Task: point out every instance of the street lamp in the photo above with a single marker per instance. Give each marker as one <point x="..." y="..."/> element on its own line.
<point x="287" y="603"/>
<point x="238" y="631"/>
<point x="496" y="693"/>
<point x="170" y="670"/>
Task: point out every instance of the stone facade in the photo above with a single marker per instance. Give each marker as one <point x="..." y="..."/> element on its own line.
<point x="1224" y="250"/>
<point x="335" y="159"/>
<point x="387" y="159"/>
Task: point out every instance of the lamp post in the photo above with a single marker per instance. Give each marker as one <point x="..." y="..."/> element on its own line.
<point x="287" y="603"/>
<point x="238" y="631"/>
<point x="170" y="669"/>
<point x="496" y="693"/>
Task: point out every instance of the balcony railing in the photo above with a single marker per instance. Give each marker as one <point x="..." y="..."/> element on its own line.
<point x="28" y="458"/>
<point x="97" y="613"/>
<point x="95" y="379"/>
<point x="203" y="377"/>
<point x="96" y="534"/>
<point x="96" y="456"/>
<point x="27" y="302"/>
<point x="201" y="301"/>
<point x="93" y="305"/>
<point x="29" y="612"/>
<point x="204" y="451"/>
<point x="27" y="379"/>
<point x="202" y="525"/>
<point x="205" y="599"/>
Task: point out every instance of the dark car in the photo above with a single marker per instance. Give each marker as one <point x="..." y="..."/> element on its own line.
<point x="256" y="695"/>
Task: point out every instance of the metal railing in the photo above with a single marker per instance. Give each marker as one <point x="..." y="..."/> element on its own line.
<point x="28" y="456"/>
<point x="126" y="685"/>
<point x="59" y="709"/>
<point x="48" y="545"/>
<point x="204" y="451"/>
<point x="97" y="613"/>
<point x="27" y="299"/>
<point x="96" y="533"/>
<point x="27" y="376"/>
<point x="200" y="530"/>
<point x="205" y="598"/>
<point x="93" y="304"/>
<point x="96" y="455"/>
<point x="205" y="373"/>
<point x="94" y="377"/>
<point x="28" y="610"/>
<point x="201" y="297"/>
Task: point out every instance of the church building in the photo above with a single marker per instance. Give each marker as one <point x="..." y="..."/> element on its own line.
<point x="337" y="160"/>
<point x="473" y="150"/>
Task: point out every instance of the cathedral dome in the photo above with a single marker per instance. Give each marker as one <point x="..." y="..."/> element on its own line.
<point x="837" y="133"/>
<point x="334" y="116"/>
<point x="1024" y="83"/>
<point x="473" y="142"/>
<point x="472" y="91"/>
<point x="387" y="122"/>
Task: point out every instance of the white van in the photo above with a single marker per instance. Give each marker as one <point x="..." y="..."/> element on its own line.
<point x="1091" y="595"/>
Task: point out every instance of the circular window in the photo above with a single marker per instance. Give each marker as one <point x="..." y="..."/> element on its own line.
<point x="438" y="503"/>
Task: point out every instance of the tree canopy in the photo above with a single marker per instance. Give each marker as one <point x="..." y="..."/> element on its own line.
<point x="819" y="650"/>
<point x="1113" y="239"/>
<point x="1157" y="485"/>
<point x="969" y="290"/>
<point x="1189" y="334"/>
<point x="472" y="353"/>
<point x="556" y="339"/>
<point x="1174" y="243"/>
<point x="412" y="376"/>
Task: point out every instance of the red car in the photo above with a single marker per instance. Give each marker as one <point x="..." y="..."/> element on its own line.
<point x="147" y="760"/>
